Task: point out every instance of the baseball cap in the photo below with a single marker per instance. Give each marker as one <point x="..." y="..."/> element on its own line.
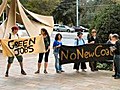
<point x="93" y="31"/>
<point x="15" y="28"/>
<point x="115" y="35"/>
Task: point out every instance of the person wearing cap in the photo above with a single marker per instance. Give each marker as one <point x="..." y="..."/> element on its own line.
<point x="14" y="35"/>
<point x="112" y="41"/>
<point x="79" y="41"/>
<point x="116" y="58"/>
<point x="93" y="39"/>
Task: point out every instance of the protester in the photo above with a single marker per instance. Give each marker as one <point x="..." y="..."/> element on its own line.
<point x="47" y="47"/>
<point x="14" y="35"/>
<point x="93" y="39"/>
<point x="111" y="40"/>
<point x="79" y="41"/>
<point x="56" y="47"/>
<point x="116" y="58"/>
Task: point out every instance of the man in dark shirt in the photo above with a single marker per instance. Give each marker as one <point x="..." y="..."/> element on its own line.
<point x="93" y="39"/>
<point x="116" y="57"/>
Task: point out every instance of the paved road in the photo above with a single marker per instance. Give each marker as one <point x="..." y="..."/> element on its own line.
<point x="69" y="80"/>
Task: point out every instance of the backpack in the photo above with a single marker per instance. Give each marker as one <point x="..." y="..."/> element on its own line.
<point x="11" y="35"/>
<point x="82" y="40"/>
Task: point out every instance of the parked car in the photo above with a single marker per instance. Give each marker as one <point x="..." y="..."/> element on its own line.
<point x="84" y="29"/>
<point x="55" y="27"/>
<point x="23" y="33"/>
<point x="64" y="28"/>
<point x="80" y="29"/>
<point x="20" y="26"/>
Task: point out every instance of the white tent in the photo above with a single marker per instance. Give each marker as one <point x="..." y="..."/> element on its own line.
<point x="33" y="27"/>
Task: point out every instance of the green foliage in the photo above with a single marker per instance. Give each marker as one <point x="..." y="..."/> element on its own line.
<point x="65" y="12"/>
<point x="108" y="21"/>
<point x="44" y="7"/>
<point x="92" y="8"/>
<point x="0" y="1"/>
<point x="105" y="66"/>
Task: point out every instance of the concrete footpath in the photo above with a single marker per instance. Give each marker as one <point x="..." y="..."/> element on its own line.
<point x="69" y="80"/>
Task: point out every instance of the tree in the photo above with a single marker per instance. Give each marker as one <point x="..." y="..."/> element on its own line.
<point x="44" y="7"/>
<point x="66" y="12"/>
<point x="92" y="8"/>
<point x="108" y="21"/>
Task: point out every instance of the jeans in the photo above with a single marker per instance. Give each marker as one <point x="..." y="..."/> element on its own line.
<point x="117" y="65"/>
<point x="57" y="65"/>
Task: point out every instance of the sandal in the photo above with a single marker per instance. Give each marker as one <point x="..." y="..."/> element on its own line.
<point x="45" y="72"/>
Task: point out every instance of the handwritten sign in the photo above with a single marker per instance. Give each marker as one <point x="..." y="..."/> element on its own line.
<point x="23" y="46"/>
<point x="85" y="53"/>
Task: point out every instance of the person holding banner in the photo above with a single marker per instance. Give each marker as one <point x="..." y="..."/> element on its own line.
<point x="47" y="47"/>
<point x="14" y="35"/>
<point x="116" y="58"/>
<point x="93" y="39"/>
<point x="110" y="41"/>
<point x="79" y="41"/>
<point x="56" y="47"/>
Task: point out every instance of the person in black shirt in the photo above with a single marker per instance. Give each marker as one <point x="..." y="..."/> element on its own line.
<point x="79" y="41"/>
<point x="47" y="47"/>
<point x="93" y="39"/>
<point x="116" y="58"/>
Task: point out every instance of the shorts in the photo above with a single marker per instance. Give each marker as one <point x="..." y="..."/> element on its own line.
<point x="19" y="58"/>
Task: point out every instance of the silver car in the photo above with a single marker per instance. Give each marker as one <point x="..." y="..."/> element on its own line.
<point x="64" y="28"/>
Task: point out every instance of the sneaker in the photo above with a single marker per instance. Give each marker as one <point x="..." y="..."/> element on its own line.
<point x="92" y="70"/>
<point x="77" y="71"/>
<point x="6" y="75"/>
<point x="58" y="71"/>
<point x="62" y="70"/>
<point x="96" y="69"/>
<point x="117" y="77"/>
<point x="83" y="70"/>
<point x="23" y="72"/>
<point x="37" y="72"/>
<point x="45" y="71"/>
<point x="113" y="75"/>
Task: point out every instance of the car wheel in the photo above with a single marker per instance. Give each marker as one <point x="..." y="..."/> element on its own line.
<point x="68" y="30"/>
<point x="57" y="30"/>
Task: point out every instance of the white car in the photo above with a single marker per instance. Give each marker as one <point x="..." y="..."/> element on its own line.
<point x="20" y="26"/>
<point x="64" y="28"/>
<point x="55" y="27"/>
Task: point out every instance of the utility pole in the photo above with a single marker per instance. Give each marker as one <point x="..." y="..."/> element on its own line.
<point x="77" y="17"/>
<point x="3" y="15"/>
